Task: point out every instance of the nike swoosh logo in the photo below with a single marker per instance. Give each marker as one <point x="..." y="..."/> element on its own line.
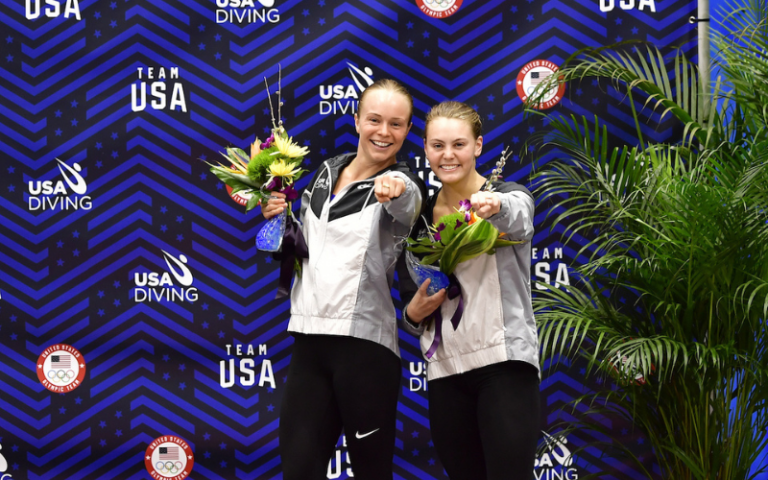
<point x="358" y="436"/>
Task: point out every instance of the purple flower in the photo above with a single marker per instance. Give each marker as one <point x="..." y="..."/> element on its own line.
<point x="458" y="224"/>
<point x="275" y="184"/>
<point x="440" y="228"/>
<point x="467" y="217"/>
<point x="465" y="206"/>
<point x="290" y="193"/>
<point x="268" y="142"/>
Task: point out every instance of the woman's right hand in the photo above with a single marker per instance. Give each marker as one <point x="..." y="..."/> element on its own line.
<point x="274" y="206"/>
<point x="422" y="305"/>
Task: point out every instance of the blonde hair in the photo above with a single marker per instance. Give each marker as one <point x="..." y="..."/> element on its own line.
<point x="457" y="110"/>
<point x="391" y="85"/>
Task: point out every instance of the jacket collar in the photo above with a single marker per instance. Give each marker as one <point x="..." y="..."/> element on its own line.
<point x="340" y="162"/>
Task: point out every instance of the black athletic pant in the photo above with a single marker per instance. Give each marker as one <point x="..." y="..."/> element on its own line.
<point x="485" y="422"/>
<point x="333" y="383"/>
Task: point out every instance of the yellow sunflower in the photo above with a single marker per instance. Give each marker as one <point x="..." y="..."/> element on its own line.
<point x="289" y="149"/>
<point x="282" y="169"/>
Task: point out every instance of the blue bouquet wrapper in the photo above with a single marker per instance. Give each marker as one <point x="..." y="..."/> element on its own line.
<point x="419" y="273"/>
<point x="270" y="237"/>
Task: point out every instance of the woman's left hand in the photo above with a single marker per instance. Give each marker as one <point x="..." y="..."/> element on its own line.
<point x="485" y="204"/>
<point x="423" y="304"/>
<point x="387" y="187"/>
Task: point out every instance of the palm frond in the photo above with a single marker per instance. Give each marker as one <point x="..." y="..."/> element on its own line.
<point x="671" y="303"/>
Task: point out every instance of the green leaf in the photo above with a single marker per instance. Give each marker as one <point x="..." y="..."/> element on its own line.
<point x="423" y="248"/>
<point x="431" y="258"/>
<point x="234" y="179"/>
<point x="468" y="243"/>
<point x="500" y="242"/>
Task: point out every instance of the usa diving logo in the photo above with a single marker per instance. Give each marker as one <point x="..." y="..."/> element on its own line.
<point x="556" y="462"/>
<point x="169" y="457"/>
<point x="158" y="286"/>
<point x="50" y="195"/>
<point x="246" y="11"/>
<point x="61" y="368"/>
<point x="345" y="98"/>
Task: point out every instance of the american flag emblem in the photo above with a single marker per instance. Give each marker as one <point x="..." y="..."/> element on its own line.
<point x="538" y="77"/>
<point x="169" y="453"/>
<point x="61" y="361"/>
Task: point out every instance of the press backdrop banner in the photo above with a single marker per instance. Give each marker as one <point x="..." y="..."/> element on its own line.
<point x="139" y="334"/>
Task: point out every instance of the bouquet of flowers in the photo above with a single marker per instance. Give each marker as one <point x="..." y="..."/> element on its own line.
<point x="273" y="165"/>
<point x="455" y="238"/>
<point x="458" y="237"/>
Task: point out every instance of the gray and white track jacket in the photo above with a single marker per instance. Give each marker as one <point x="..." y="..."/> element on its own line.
<point x="354" y="242"/>
<point x="497" y="324"/>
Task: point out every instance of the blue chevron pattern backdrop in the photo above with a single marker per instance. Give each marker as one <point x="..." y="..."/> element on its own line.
<point x="131" y="252"/>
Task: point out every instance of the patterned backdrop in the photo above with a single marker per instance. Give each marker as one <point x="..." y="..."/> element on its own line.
<point x="116" y="240"/>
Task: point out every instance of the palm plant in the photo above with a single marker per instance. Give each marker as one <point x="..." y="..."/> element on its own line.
<point x="680" y="230"/>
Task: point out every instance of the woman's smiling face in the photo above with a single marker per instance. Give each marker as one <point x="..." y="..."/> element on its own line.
<point x="382" y="123"/>
<point x="451" y="149"/>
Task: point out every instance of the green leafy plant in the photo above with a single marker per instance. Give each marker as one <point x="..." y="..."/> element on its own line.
<point x="673" y="301"/>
